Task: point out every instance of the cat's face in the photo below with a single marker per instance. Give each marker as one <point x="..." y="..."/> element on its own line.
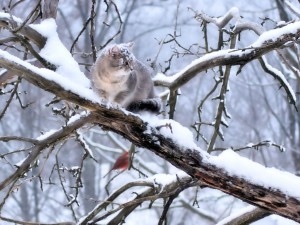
<point x="120" y="58"/>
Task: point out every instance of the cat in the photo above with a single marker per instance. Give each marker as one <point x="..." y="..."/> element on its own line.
<point x="117" y="76"/>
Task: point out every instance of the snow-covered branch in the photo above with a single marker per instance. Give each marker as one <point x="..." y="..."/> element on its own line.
<point x="221" y="21"/>
<point x="266" y="42"/>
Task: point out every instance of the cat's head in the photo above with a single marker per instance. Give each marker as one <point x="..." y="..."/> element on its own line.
<point x="120" y="56"/>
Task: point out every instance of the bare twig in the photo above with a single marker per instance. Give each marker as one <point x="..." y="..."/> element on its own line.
<point x="266" y="143"/>
<point x="44" y="143"/>
<point x="120" y="22"/>
<point x="16" y="138"/>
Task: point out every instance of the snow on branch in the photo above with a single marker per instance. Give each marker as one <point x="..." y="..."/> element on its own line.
<point x="56" y="53"/>
<point x="267" y="41"/>
<point x="278" y="195"/>
<point x="221" y="21"/>
<point x="66" y="84"/>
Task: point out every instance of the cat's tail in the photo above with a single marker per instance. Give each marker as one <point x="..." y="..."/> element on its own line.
<point x="150" y="105"/>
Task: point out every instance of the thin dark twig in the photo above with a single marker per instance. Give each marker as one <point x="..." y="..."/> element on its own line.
<point x="80" y="33"/>
<point x="138" y="200"/>
<point x="7" y="195"/>
<point x="112" y="197"/>
<point x="266" y="143"/>
<point x="10" y="98"/>
<point x="167" y="207"/>
<point x="62" y="183"/>
<point x="200" y="107"/>
<point x="92" y="31"/>
<point x="266" y="68"/>
<point x="16" y="138"/>
<point x="120" y="23"/>
<point x="221" y="108"/>
<point x="15" y="30"/>
<point x="15" y="4"/>
<point x="13" y="152"/>
<point x="78" y="181"/>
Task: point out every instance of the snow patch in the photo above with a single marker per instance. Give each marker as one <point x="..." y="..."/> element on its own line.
<point x="173" y="130"/>
<point x="66" y="83"/>
<point x="163" y="180"/>
<point x="46" y="135"/>
<point x="256" y="173"/>
<point x="55" y="52"/>
<point x="276" y="33"/>
<point x="8" y="16"/>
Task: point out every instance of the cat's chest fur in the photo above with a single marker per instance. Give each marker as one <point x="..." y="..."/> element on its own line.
<point x="112" y="84"/>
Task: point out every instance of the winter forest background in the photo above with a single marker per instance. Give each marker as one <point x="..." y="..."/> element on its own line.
<point x="234" y="105"/>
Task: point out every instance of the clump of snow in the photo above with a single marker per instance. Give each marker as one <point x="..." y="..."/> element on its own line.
<point x="18" y="164"/>
<point x="56" y="53"/>
<point x="7" y="15"/>
<point x="66" y="83"/>
<point x="256" y="173"/>
<point x="173" y="130"/>
<point x="77" y="117"/>
<point x="86" y="146"/>
<point x="274" y="34"/>
<point x="163" y="180"/>
<point x="250" y="145"/>
<point x="46" y="135"/>
<point x="232" y="13"/>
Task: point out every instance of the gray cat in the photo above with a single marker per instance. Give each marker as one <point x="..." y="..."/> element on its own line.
<point x="117" y="76"/>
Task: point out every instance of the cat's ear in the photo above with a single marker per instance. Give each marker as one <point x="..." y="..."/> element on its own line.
<point x="114" y="50"/>
<point x="130" y="45"/>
